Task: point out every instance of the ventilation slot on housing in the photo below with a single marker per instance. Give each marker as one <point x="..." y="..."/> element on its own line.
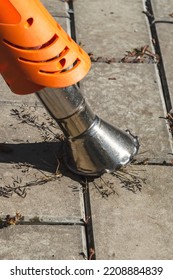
<point x="62" y="62"/>
<point x="48" y="43"/>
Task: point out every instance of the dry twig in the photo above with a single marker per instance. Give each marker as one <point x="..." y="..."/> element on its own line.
<point x="140" y="55"/>
<point x="104" y="187"/>
<point x="11" y="220"/>
<point x="47" y="128"/>
<point x="130" y="181"/>
<point x="91" y="253"/>
<point x="169" y="119"/>
<point x="20" y="188"/>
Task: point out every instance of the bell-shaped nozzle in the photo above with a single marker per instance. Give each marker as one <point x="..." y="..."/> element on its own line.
<point x="92" y="146"/>
<point x="101" y="148"/>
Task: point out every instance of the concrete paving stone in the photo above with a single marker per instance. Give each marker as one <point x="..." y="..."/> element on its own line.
<point x="27" y="157"/>
<point x="162" y="11"/>
<point x="131" y="225"/>
<point x="54" y="198"/>
<point x="55" y="7"/>
<point x="41" y="243"/>
<point x="128" y="96"/>
<point x="14" y="130"/>
<point x="110" y="28"/>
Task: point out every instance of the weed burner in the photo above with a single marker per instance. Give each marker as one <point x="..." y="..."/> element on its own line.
<point x="37" y="55"/>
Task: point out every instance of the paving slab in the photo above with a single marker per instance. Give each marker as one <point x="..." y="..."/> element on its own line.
<point x="41" y="242"/>
<point x="136" y="225"/>
<point x="55" y="199"/>
<point x="128" y="96"/>
<point x="56" y="8"/>
<point x="26" y="157"/>
<point x="11" y="131"/>
<point x="110" y="28"/>
<point x="162" y="11"/>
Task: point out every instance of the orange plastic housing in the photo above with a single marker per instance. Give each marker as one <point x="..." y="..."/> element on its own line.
<point x="35" y="52"/>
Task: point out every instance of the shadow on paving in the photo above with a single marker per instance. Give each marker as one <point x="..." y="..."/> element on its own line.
<point x="43" y="156"/>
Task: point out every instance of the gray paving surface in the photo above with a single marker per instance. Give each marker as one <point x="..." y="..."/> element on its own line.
<point x="136" y="225"/>
<point x="131" y="209"/>
<point x="112" y="24"/>
<point x="41" y="243"/>
<point x="165" y="33"/>
<point x="56" y="8"/>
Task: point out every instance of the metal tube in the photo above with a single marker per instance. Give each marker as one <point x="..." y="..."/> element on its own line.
<point x="68" y="108"/>
<point x="92" y="146"/>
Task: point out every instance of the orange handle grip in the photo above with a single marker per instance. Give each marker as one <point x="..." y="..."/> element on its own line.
<point x="35" y="52"/>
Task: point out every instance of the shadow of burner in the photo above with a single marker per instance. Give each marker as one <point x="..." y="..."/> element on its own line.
<point x="43" y="155"/>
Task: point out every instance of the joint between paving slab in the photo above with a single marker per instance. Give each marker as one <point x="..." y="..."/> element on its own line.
<point x="39" y="220"/>
<point x="71" y="23"/>
<point x="151" y="162"/>
<point x="159" y="67"/>
<point x="156" y="46"/>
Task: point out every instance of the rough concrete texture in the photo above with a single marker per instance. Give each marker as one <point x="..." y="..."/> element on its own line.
<point x="131" y="209"/>
<point x="136" y="225"/>
<point x="41" y="243"/>
<point x="56" y="8"/>
<point x="108" y="28"/>
<point x="54" y="198"/>
<point x="163" y="13"/>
